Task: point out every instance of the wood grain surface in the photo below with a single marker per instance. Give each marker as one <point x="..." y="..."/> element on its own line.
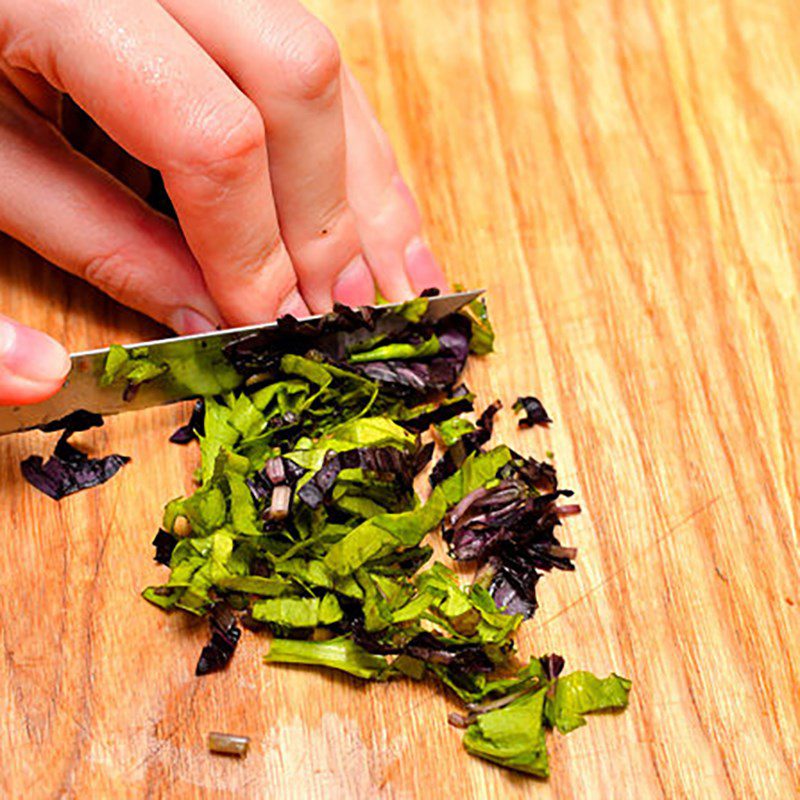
<point x="624" y="178"/>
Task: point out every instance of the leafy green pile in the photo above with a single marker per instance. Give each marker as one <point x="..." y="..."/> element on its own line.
<point x="306" y="523"/>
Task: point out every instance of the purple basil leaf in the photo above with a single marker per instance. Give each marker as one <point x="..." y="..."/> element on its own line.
<point x="260" y="353"/>
<point x="433" y="374"/>
<point x="515" y="593"/>
<point x="387" y="463"/>
<point x="534" y="411"/>
<point x="193" y="428"/>
<point x="164" y="543"/>
<point x="441" y="413"/>
<point x="459" y="657"/>
<point x="552" y="664"/>
<point x="423" y="457"/>
<point x="225" y="635"/>
<point x="69" y="470"/>
<point x="80" y="420"/>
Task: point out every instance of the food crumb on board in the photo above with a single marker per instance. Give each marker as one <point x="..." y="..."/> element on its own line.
<point x="228" y="743"/>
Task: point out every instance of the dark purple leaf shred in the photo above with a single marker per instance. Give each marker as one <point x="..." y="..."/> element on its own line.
<point x="225" y="635"/>
<point x="193" y="428"/>
<point x="423" y="457"/>
<point x="459" y="403"/>
<point x="69" y="470"/>
<point x="80" y="420"/>
<point x="511" y="526"/>
<point x="164" y="543"/>
<point x="553" y="664"/>
<point x="385" y="463"/>
<point x="534" y="411"/>
<point x="419" y="378"/>
<point x="457" y="657"/>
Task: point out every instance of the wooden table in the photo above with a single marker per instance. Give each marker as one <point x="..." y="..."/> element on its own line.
<point x="622" y="175"/>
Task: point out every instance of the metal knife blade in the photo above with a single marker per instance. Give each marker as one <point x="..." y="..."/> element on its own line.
<point x="201" y="354"/>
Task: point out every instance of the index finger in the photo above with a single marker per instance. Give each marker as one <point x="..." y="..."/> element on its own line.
<point x="154" y="90"/>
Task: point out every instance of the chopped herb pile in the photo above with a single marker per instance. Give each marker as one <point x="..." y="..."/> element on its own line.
<point x="306" y="523"/>
<point x="69" y="470"/>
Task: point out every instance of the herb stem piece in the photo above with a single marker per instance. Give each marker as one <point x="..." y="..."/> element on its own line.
<point x="228" y="743"/>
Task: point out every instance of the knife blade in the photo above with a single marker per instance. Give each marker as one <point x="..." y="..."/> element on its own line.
<point x="198" y="366"/>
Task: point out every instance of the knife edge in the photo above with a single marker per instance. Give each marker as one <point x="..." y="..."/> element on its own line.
<point x="82" y="389"/>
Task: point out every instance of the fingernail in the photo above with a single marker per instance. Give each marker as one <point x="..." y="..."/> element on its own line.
<point x="355" y="286"/>
<point x="422" y="269"/>
<point x="186" y="321"/>
<point x="294" y="305"/>
<point x="31" y="354"/>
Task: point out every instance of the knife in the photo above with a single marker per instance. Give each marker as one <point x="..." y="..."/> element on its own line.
<point x="198" y="366"/>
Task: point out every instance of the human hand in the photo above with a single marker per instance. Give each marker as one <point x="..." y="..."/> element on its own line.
<point x="285" y="187"/>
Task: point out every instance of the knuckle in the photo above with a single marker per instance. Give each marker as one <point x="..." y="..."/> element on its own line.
<point x="111" y="272"/>
<point x="337" y="219"/>
<point x="311" y="61"/>
<point x="264" y="256"/>
<point x="263" y="280"/>
<point x="224" y="140"/>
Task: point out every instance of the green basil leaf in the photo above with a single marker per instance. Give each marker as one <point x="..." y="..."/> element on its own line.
<point x="400" y="351"/>
<point x="513" y="736"/>
<point x="380" y="535"/>
<point x="298" y="612"/>
<point x="451" y="430"/>
<point x="583" y="693"/>
<point x="341" y="653"/>
<point x="478" y="470"/>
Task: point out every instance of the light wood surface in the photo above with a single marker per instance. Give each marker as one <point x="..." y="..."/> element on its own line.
<point x="623" y="176"/>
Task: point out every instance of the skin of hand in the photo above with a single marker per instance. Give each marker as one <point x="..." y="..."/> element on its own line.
<point x="286" y="190"/>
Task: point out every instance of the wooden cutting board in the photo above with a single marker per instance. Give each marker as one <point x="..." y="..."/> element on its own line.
<point x="622" y="176"/>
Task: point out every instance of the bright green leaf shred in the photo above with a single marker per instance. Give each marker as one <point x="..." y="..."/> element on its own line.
<point x="513" y="736"/>
<point x="341" y="653"/>
<point x="582" y="693"/>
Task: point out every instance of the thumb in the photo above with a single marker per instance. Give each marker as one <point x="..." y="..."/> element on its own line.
<point x="32" y="365"/>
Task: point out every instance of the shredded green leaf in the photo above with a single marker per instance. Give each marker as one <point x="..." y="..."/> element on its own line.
<point x="298" y="612"/>
<point x="402" y="351"/>
<point x="582" y="693"/>
<point x="451" y="430"/>
<point x="134" y="366"/>
<point x="383" y="534"/>
<point x="482" y="339"/>
<point x="341" y="653"/>
<point x="513" y="736"/>
<point x="478" y="470"/>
